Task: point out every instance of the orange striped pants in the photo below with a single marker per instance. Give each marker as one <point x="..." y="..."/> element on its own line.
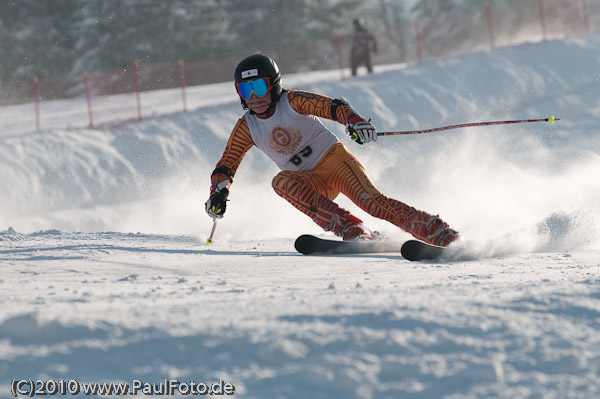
<point x="339" y="171"/>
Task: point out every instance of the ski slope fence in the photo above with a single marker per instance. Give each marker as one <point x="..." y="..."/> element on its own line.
<point x="493" y="25"/>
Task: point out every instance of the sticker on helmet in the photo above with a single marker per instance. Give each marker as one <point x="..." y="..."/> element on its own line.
<point x="249" y="73"/>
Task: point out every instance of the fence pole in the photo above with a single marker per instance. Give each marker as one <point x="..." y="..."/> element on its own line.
<point x="542" y="18"/>
<point x="36" y="100"/>
<point x="136" y="70"/>
<point x="488" y="14"/>
<point x="586" y="15"/>
<point x="88" y="97"/>
<point x="182" y="80"/>
<point x="338" y="52"/>
<point x="418" y="39"/>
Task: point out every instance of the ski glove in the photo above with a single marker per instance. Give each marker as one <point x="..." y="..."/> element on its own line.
<point x="217" y="201"/>
<point x="360" y="130"/>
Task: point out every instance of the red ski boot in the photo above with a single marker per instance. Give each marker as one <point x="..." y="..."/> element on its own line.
<point x="354" y="229"/>
<point x="339" y="221"/>
<point x="433" y="230"/>
<point x="349" y="227"/>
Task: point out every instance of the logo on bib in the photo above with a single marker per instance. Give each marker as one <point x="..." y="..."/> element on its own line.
<point x="285" y="140"/>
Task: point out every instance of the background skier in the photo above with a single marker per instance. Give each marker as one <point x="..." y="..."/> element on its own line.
<point x="364" y="47"/>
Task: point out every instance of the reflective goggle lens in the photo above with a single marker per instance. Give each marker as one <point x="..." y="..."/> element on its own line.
<point x="258" y="86"/>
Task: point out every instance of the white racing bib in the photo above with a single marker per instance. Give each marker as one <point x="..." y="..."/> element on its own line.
<point x="292" y="140"/>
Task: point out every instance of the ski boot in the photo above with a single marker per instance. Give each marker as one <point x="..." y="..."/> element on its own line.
<point x="349" y="227"/>
<point x="433" y="230"/>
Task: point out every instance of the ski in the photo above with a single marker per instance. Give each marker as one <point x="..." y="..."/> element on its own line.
<point x="411" y="250"/>
<point x="308" y="244"/>
<point x="414" y="250"/>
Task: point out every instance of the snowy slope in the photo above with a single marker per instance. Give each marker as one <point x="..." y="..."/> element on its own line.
<point x="105" y="276"/>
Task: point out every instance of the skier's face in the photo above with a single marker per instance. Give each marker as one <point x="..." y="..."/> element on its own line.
<point x="259" y="104"/>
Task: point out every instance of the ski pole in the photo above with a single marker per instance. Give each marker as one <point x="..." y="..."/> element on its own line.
<point x="437" y="129"/>
<point x="209" y="240"/>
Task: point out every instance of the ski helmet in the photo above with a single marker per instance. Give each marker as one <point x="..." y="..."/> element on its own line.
<point x="257" y="66"/>
<point x="359" y="23"/>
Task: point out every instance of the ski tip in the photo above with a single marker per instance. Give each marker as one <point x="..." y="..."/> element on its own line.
<point x="303" y="243"/>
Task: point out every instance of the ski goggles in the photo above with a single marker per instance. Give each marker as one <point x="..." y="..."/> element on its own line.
<point x="260" y="87"/>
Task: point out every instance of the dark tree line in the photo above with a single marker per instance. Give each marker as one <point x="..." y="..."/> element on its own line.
<point x="65" y="37"/>
<point x="61" y="38"/>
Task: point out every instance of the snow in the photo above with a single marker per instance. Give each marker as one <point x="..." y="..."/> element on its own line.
<point x="105" y="274"/>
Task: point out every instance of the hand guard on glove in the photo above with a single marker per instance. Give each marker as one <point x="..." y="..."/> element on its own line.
<point x="360" y="130"/>
<point x="217" y="201"/>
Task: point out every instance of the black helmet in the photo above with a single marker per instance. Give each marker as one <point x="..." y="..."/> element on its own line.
<point x="259" y="65"/>
<point x="359" y="23"/>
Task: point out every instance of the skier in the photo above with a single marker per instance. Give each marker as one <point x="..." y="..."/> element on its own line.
<point x="364" y="47"/>
<point x="315" y="165"/>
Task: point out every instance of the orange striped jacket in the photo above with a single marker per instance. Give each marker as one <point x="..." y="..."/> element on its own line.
<point x="240" y="141"/>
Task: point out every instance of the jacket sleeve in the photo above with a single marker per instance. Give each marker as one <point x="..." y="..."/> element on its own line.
<point x="237" y="146"/>
<point x="308" y="103"/>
